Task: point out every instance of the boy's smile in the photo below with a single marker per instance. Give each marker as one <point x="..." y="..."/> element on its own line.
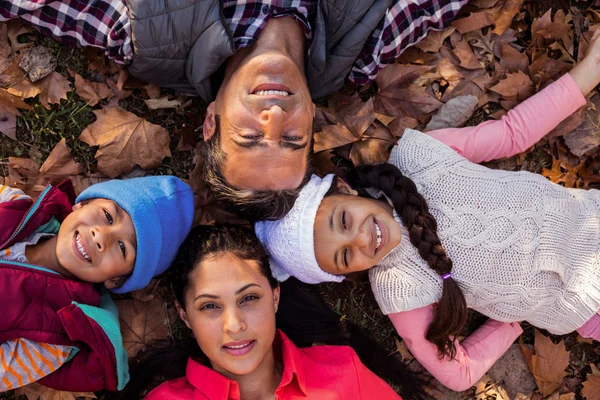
<point x="97" y="242"/>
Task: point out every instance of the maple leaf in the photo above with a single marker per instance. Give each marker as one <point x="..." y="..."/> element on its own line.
<point x="517" y="86"/>
<point x="142" y="322"/>
<point x="505" y="15"/>
<point x="166" y="102"/>
<point x="476" y="20"/>
<point x="591" y="387"/>
<point x="586" y="137"/>
<point x="549" y="363"/>
<point x="24" y="166"/>
<point x="35" y="391"/>
<point x="513" y="60"/>
<point x="51" y="89"/>
<point x="92" y="92"/>
<point x="39" y="62"/>
<point x="125" y="140"/>
<point x="463" y="51"/>
<point x="9" y="113"/>
<point x="434" y="40"/>
<point x="16" y="29"/>
<point x="60" y="164"/>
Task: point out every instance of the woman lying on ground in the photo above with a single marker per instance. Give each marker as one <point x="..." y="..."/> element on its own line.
<point x="225" y="294"/>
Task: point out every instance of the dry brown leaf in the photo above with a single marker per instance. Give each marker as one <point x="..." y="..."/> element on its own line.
<point x="142" y="322"/>
<point x="549" y="363"/>
<point x="434" y="40"/>
<point x="513" y="60"/>
<point x="51" y="89"/>
<point x="332" y="136"/>
<point x="463" y="51"/>
<point x="24" y="166"/>
<point x="370" y="151"/>
<point x="9" y="113"/>
<point x="165" y="102"/>
<point x="586" y="137"/>
<point x="12" y="74"/>
<point x="591" y="387"/>
<point x="60" y="164"/>
<point x="39" y="62"/>
<point x="16" y="29"/>
<point x="125" y="140"/>
<point x="503" y="19"/>
<point x="516" y="87"/>
<point x="476" y="20"/>
<point x="92" y="92"/>
<point x="454" y="113"/>
<point x="352" y="112"/>
<point x="35" y="391"/>
<point x="403" y="350"/>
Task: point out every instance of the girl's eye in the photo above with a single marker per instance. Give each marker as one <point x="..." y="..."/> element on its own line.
<point x="108" y="217"/>
<point x="344" y="220"/>
<point x="122" y="246"/>
<point x="208" y="306"/>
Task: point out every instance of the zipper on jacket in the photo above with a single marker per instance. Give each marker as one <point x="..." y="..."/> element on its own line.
<point x="27" y="216"/>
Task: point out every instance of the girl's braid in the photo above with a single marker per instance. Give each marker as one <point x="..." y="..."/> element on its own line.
<point x="451" y="314"/>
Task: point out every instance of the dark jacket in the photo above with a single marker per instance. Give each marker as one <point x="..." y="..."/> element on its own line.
<point x="183" y="44"/>
<point x="49" y="308"/>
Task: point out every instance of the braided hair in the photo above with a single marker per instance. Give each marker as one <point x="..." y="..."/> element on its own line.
<point x="451" y="314"/>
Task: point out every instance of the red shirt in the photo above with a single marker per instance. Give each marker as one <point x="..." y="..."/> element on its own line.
<point x="319" y="372"/>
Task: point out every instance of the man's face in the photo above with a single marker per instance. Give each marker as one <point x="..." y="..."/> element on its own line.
<point x="266" y="117"/>
<point x="97" y="242"/>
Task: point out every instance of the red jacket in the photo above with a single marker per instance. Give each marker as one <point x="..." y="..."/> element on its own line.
<point x="50" y="308"/>
<point x="319" y="372"/>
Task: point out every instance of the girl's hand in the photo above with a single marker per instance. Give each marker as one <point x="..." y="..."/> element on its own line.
<point x="587" y="73"/>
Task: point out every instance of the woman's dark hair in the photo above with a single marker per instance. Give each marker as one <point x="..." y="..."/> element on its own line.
<point x="451" y="314"/>
<point x="303" y="315"/>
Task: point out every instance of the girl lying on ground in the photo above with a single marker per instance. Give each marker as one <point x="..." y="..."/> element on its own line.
<point x="445" y="234"/>
<point x="226" y="295"/>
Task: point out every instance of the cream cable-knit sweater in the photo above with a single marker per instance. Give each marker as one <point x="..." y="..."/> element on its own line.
<point x="523" y="248"/>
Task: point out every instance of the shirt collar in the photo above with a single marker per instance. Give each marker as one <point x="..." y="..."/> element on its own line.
<point x="215" y="386"/>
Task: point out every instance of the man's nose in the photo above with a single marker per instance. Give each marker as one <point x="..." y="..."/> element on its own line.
<point x="272" y="120"/>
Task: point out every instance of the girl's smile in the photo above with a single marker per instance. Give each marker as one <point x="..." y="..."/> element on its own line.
<point x="353" y="233"/>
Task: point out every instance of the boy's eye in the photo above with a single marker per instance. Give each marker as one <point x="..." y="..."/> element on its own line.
<point x="108" y="217"/>
<point x="344" y="220"/>
<point x="123" y="250"/>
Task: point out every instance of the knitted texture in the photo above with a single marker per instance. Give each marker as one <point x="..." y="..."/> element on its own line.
<point x="162" y="210"/>
<point x="290" y="241"/>
<point x="523" y="248"/>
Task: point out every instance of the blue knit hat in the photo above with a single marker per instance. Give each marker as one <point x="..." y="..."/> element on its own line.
<point x="162" y="211"/>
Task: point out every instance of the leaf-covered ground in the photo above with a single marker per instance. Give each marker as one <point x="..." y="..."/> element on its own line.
<point x="68" y="113"/>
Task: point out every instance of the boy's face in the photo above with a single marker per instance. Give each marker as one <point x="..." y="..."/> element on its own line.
<point x="97" y="242"/>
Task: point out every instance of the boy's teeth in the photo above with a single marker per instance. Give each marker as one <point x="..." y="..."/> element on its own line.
<point x="378" y="231"/>
<point x="271" y="92"/>
<point x="80" y="247"/>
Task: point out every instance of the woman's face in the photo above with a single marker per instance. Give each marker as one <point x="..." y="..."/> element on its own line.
<point x="230" y="307"/>
<point x="353" y="233"/>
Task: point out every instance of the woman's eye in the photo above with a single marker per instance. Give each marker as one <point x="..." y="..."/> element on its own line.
<point x="122" y="246"/>
<point x="344" y="220"/>
<point x="249" y="297"/>
<point x="108" y="217"/>
<point x="209" y="306"/>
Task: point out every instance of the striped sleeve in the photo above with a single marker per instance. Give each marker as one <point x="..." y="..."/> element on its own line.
<point x="23" y="361"/>
<point x="9" y="194"/>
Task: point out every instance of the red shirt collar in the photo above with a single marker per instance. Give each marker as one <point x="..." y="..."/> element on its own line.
<point x="215" y="386"/>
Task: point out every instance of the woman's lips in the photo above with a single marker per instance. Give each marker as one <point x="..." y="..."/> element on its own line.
<point x="240" y="348"/>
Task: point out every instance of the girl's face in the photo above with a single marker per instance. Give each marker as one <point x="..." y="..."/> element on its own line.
<point x="353" y="233"/>
<point x="230" y="307"/>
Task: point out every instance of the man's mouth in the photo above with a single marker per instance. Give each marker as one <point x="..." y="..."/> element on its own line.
<point x="271" y="89"/>
<point x="81" y="247"/>
<point x="271" y="93"/>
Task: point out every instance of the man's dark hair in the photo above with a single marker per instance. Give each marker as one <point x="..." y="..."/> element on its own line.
<point x="253" y="205"/>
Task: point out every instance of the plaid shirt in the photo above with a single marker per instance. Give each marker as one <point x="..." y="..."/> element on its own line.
<point x="105" y="24"/>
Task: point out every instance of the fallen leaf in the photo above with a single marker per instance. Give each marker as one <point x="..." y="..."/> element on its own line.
<point x="586" y="137"/>
<point x="331" y="136"/>
<point x="354" y="113"/>
<point x="165" y="102"/>
<point x="513" y="60"/>
<point x="463" y="51"/>
<point x="24" y="166"/>
<point x="591" y="387"/>
<point x="60" y="164"/>
<point x="434" y="40"/>
<point x="454" y="113"/>
<point x="9" y="113"/>
<point x="403" y="350"/>
<point x="91" y="92"/>
<point x="125" y="140"/>
<point x="503" y="19"/>
<point x="16" y="29"/>
<point x="35" y="391"/>
<point x="141" y="323"/>
<point x="517" y="86"/>
<point x="39" y="62"/>
<point x="476" y="20"/>
<point x="549" y="363"/>
<point x="51" y="89"/>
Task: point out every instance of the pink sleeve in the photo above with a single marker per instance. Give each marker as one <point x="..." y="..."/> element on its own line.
<point x="474" y="356"/>
<point x="520" y="128"/>
<point x="371" y="386"/>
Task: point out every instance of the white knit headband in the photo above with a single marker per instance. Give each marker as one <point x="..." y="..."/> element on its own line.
<point x="290" y="241"/>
